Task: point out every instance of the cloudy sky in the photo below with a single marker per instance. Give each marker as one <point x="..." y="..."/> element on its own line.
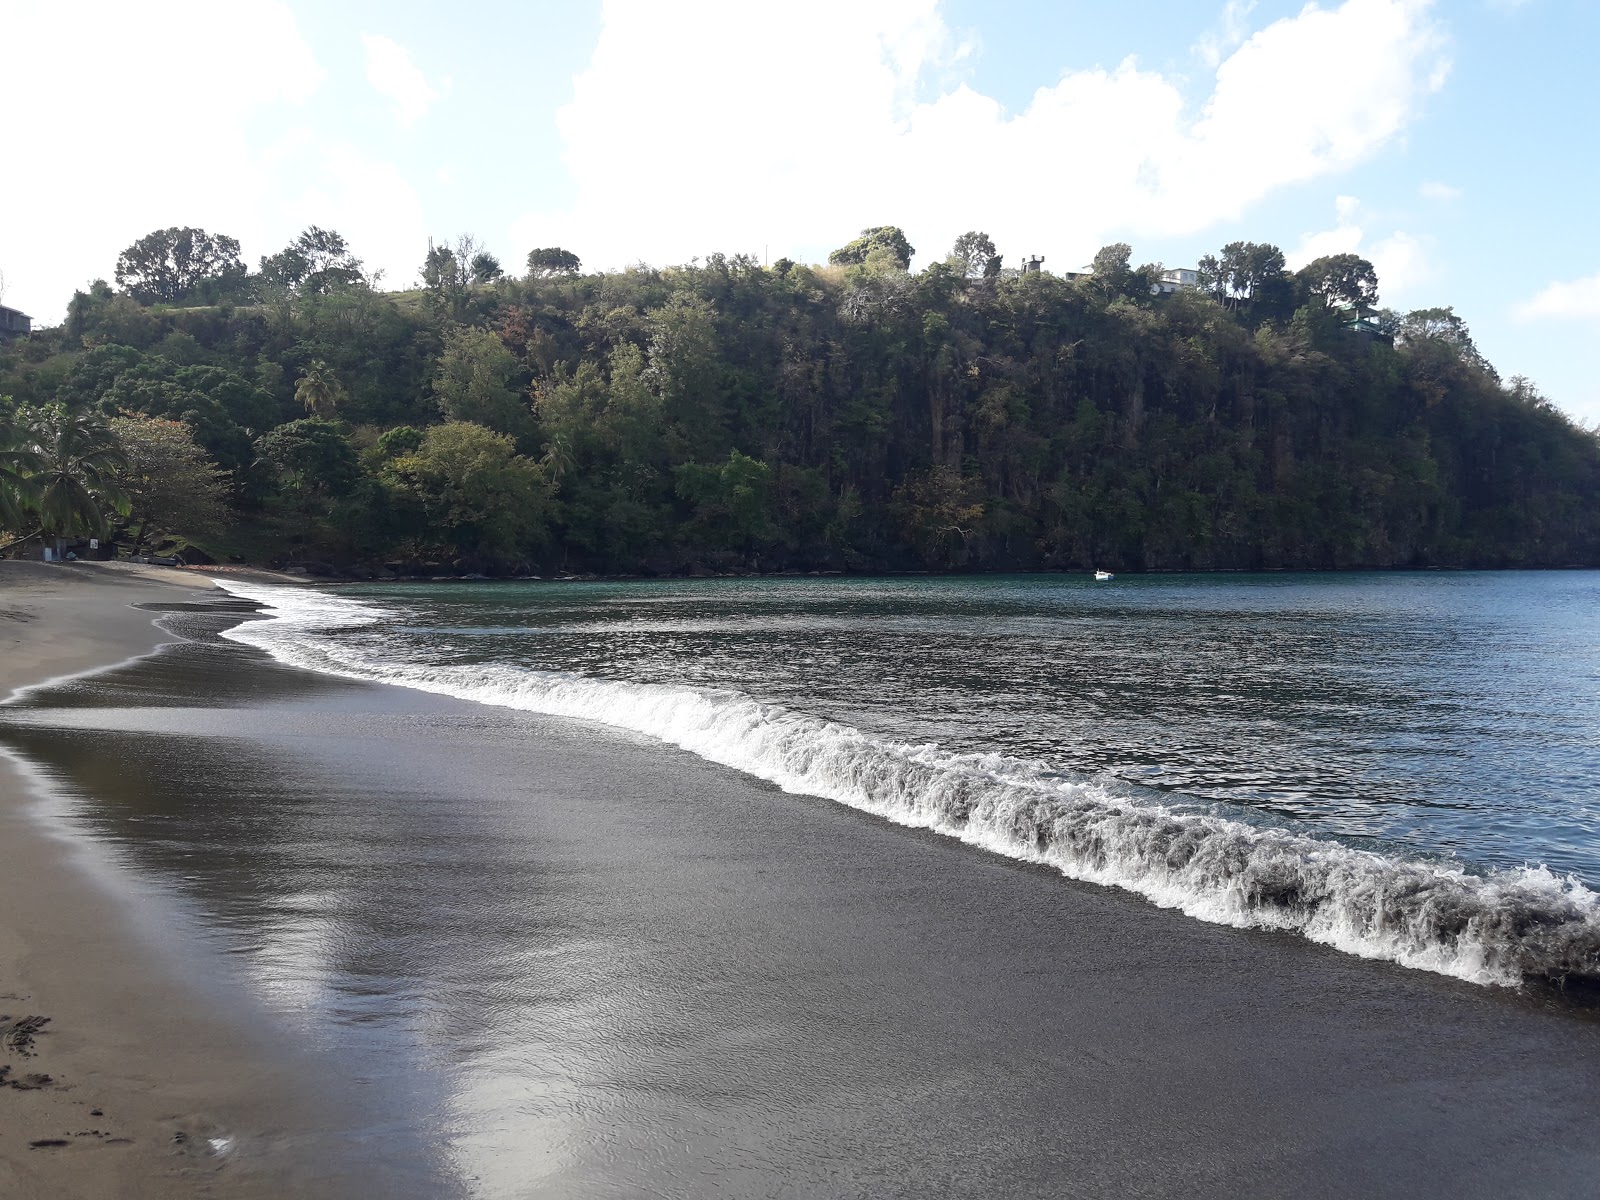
<point x="1454" y="144"/>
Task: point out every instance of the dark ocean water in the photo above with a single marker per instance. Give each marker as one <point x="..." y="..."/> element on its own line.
<point x="544" y="942"/>
<point x="1404" y="766"/>
<point x="1450" y="715"/>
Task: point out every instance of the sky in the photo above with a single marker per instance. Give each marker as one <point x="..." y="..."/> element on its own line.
<point x="1452" y="143"/>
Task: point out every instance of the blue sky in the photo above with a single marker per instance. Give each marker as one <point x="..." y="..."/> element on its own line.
<point x="1452" y="143"/>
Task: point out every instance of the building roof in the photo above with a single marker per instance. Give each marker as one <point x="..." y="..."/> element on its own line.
<point x="7" y="309"/>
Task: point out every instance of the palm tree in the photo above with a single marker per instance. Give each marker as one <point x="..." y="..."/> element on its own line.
<point x="17" y="464"/>
<point x="558" y="459"/>
<point x="319" y="391"/>
<point x="76" y="458"/>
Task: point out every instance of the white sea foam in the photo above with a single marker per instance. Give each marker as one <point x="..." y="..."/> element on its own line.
<point x="1502" y="928"/>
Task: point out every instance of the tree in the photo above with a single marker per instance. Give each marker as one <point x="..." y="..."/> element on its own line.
<point x="732" y="501"/>
<point x="18" y="462"/>
<point x="440" y="271"/>
<point x="316" y="262"/>
<point x="1112" y="269"/>
<point x="939" y="510"/>
<point x="76" y="467"/>
<point x="176" y="265"/>
<point x="1437" y="325"/>
<point x="473" y="383"/>
<point x="973" y="254"/>
<point x="686" y="372"/>
<point x="171" y="484"/>
<point x="478" y="495"/>
<point x="403" y="439"/>
<point x="320" y="391"/>
<point x="1242" y="272"/>
<point x="222" y="408"/>
<point x="447" y="275"/>
<point x="882" y="243"/>
<point x="1423" y="329"/>
<point x="485" y="267"/>
<point x="313" y="457"/>
<point x="552" y="260"/>
<point x="1342" y="281"/>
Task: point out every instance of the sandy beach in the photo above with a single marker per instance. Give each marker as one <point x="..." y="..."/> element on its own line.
<point x="119" y="1090"/>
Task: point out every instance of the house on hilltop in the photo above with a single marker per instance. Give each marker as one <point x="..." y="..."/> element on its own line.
<point x="14" y="323"/>
<point x="1178" y="279"/>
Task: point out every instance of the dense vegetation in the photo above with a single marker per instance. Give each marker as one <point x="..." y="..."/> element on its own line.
<point x="727" y="416"/>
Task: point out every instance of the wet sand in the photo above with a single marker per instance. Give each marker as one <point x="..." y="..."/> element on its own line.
<point x="118" y="1073"/>
<point x="571" y="962"/>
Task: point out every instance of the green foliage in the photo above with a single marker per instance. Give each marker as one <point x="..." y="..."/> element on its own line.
<point x="395" y="442"/>
<point x="312" y="457"/>
<point x="549" y="261"/>
<point x="319" y="391"/>
<point x="172" y="487"/>
<point x="1341" y="281"/>
<point x="221" y="407"/>
<point x="74" y="472"/>
<point x="485" y="267"/>
<point x="475" y="494"/>
<point x="973" y="256"/>
<point x="738" y="417"/>
<point x="447" y="276"/>
<point x="940" y="514"/>
<point x="1112" y="269"/>
<point x="732" y="502"/>
<point x="474" y="383"/>
<point x="178" y="266"/>
<point x="1243" y="271"/>
<point x="317" y="262"/>
<point x="885" y="244"/>
<point x="18" y="462"/>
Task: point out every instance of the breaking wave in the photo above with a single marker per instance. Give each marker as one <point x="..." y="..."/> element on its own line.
<point x="1503" y="927"/>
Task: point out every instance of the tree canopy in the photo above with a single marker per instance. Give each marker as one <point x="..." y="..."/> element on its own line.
<point x="726" y="416"/>
<point x="318" y="261"/>
<point x="171" y="486"/>
<point x="552" y="260"/>
<point x="974" y="256"/>
<point x="885" y="243"/>
<point x="1342" y="281"/>
<point x="178" y="264"/>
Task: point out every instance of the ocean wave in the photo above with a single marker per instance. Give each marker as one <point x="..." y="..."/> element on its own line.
<point x="1503" y="927"/>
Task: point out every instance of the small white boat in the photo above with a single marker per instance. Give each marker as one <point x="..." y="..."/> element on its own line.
<point x="1104" y="575"/>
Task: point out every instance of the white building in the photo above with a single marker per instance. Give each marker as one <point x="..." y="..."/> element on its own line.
<point x="1178" y="279"/>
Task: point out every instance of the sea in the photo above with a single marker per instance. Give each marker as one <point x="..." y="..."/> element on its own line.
<point x="1401" y="765"/>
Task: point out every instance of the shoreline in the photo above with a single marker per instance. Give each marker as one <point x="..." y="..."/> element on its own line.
<point x="342" y="579"/>
<point x="134" y="1081"/>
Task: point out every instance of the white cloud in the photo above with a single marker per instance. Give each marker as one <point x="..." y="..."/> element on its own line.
<point x="351" y="191"/>
<point x="1576" y="299"/>
<point x="1401" y="262"/>
<point x="810" y="128"/>
<point x="237" y="149"/>
<point x="1400" y="259"/>
<point x="1433" y="190"/>
<point x="397" y="79"/>
<point x="1230" y="31"/>
<point x="138" y="118"/>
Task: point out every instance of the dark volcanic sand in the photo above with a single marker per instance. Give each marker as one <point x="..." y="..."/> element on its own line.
<point x="556" y="960"/>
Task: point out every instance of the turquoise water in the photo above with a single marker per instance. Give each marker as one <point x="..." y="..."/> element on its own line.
<point x="1441" y="714"/>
